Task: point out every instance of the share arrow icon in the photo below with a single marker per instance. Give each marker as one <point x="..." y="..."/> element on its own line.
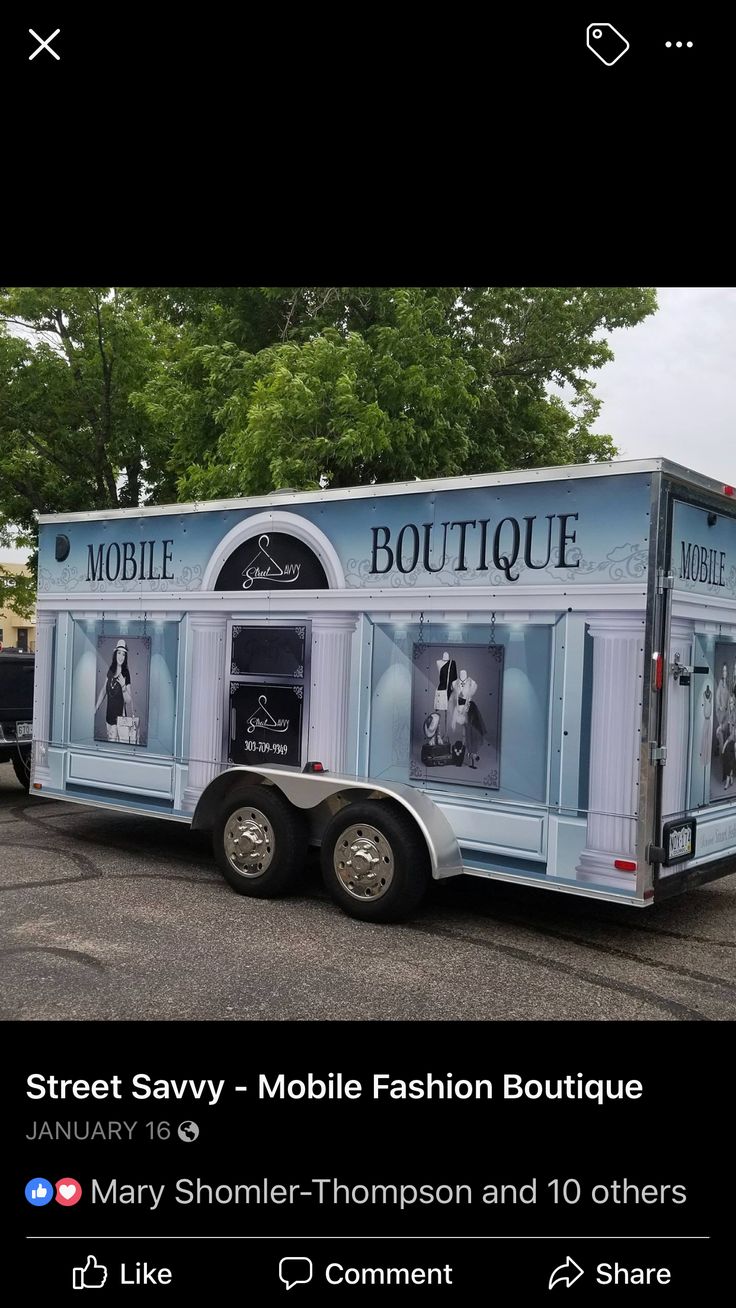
<point x="566" y="1274"/>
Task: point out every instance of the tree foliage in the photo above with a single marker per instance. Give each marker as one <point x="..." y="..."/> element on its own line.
<point x="283" y="386"/>
<point x="69" y="437"/>
<point x="117" y="397"/>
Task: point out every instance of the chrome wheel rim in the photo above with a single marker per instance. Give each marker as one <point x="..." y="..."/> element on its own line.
<point x="249" y="842"/>
<point x="364" y="862"/>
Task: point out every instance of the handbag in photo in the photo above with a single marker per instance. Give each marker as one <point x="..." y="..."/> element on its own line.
<point x="436" y="756"/>
<point x="128" y="730"/>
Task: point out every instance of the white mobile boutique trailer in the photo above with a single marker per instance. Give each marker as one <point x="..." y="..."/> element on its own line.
<point x="528" y="676"/>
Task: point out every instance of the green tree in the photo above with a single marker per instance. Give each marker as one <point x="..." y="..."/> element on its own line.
<point x="302" y="386"/>
<point x="69" y="437"/>
<point x="114" y="397"/>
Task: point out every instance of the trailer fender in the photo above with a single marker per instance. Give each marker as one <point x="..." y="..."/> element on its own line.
<point x="328" y="792"/>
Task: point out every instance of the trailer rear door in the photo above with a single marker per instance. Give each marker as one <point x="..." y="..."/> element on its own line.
<point x="696" y="836"/>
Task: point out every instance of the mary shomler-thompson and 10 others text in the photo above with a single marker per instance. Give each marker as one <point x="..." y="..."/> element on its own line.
<point x="331" y="1191"/>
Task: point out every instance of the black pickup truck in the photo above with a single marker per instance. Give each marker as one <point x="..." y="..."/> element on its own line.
<point x="16" y="713"/>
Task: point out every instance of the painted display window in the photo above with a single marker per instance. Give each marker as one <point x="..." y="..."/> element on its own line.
<point x="123" y="686"/>
<point x="713" y="722"/>
<point x="464" y="705"/>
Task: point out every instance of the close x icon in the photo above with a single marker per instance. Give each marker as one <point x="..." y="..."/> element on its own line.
<point x="44" y="43"/>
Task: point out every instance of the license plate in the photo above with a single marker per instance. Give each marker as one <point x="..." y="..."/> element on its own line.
<point x="679" y="841"/>
<point x="24" y="730"/>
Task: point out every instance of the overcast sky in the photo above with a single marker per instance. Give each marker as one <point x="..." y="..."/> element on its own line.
<point x="671" y="388"/>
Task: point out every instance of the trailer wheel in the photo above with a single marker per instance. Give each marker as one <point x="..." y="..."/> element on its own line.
<point x="260" y="842"/>
<point x="375" y="862"/>
<point x="22" y="767"/>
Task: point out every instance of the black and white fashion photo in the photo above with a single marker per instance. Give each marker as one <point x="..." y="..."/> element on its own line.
<point x="719" y="724"/>
<point x="456" y="714"/>
<point x="121" y="706"/>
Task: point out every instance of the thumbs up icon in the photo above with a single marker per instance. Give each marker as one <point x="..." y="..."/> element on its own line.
<point x="39" y="1192"/>
<point x="90" y="1277"/>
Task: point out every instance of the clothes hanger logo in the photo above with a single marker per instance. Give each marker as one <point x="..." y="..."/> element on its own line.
<point x="263" y="567"/>
<point x="262" y="719"/>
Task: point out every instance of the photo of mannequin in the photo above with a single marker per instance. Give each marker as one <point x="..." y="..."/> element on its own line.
<point x="456" y="715"/>
<point x="446" y="675"/>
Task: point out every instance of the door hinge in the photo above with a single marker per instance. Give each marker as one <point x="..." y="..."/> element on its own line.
<point x="658" y="753"/>
<point x="665" y="581"/>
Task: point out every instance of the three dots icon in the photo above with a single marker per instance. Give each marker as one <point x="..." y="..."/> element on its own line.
<point x="679" y="45"/>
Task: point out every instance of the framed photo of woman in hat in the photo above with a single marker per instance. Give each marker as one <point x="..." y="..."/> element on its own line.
<point x="121" y="707"/>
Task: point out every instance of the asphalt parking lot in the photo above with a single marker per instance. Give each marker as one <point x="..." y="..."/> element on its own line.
<point x="111" y="917"/>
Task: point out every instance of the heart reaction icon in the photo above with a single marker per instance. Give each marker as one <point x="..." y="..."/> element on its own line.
<point x="68" y="1192"/>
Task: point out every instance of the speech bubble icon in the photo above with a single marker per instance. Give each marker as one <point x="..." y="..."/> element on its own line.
<point x="295" y="1271"/>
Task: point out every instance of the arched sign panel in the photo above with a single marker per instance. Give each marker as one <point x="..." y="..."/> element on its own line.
<point x="272" y="560"/>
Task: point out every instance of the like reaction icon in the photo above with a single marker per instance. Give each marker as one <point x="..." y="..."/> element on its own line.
<point x="90" y="1277"/>
<point x="68" y="1192"/>
<point x="39" y="1191"/>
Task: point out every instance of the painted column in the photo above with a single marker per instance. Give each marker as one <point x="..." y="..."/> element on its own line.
<point x="207" y="633"/>
<point x="42" y="676"/>
<point x="674" y="777"/>
<point x="332" y="635"/>
<point x="615" y="742"/>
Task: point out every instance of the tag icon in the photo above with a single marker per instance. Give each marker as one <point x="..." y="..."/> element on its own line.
<point x="606" y="42"/>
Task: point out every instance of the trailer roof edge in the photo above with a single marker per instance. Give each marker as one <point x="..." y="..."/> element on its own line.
<point x="560" y="472"/>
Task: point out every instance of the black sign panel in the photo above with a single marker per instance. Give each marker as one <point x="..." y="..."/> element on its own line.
<point x="268" y="651"/>
<point x="678" y="839"/>
<point x="266" y="723"/>
<point x="272" y="561"/>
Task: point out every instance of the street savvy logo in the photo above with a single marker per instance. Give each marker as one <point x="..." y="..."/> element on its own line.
<point x="264" y="720"/>
<point x="263" y="567"/>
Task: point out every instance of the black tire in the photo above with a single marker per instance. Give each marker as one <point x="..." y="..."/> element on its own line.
<point x="268" y="826"/>
<point x="22" y="767"/>
<point x="387" y="840"/>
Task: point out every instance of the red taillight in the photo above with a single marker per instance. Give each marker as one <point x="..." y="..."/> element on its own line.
<point x="624" y="865"/>
<point x="649" y="894"/>
<point x="729" y="490"/>
<point x="658" y="670"/>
